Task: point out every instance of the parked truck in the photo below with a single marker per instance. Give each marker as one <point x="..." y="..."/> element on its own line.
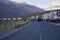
<point x="53" y="16"/>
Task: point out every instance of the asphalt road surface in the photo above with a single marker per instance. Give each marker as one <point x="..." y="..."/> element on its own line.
<point x="36" y="31"/>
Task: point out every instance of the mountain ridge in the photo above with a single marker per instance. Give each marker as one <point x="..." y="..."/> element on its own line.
<point x="10" y="9"/>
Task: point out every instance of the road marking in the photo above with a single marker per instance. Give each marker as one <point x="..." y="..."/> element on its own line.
<point x="41" y="37"/>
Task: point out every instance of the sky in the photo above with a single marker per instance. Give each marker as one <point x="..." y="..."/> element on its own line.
<point x="35" y="2"/>
<point x="45" y="4"/>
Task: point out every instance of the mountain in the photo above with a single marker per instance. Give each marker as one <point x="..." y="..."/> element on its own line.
<point x="17" y="9"/>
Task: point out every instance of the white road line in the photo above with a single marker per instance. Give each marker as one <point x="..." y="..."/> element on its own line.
<point x="41" y="37"/>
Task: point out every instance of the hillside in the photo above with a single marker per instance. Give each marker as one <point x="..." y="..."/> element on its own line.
<point x="11" y="9"/>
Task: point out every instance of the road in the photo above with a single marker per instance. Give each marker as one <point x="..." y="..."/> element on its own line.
<point x="36" y="31"/>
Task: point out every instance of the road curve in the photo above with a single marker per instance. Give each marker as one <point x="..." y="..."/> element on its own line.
<point x="36" y="31"/>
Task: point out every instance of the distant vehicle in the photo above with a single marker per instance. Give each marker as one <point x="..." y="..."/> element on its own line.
<point x="39" y="18"/>
<point x="53" y="16"/>
<point x="33" y="18"/>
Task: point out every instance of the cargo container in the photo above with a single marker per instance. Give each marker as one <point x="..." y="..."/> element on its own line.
<point x="53" y="16"/>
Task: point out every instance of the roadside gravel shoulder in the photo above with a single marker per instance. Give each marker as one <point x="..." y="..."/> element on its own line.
<point x="6" y="33"/>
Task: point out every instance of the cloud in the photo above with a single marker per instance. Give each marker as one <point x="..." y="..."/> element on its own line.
<point x="57" y="3"/>
<point x="48" y="6"/>
<point x="56" y="0"/>
<point x="53" y="4"/>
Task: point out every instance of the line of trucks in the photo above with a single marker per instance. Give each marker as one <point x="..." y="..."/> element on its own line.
<point x="52" y="16"/>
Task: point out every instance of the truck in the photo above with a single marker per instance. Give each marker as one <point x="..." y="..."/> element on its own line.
<point x="52" y="16"/>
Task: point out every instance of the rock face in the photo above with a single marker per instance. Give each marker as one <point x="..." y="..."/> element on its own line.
<point x="17" y="9"/>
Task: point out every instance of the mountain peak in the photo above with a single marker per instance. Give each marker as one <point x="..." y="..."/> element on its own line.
<point x="4" y="1"/>
<point x="17" y="9"/>
<point x="13" y="2"/>
<point x="21" y="3"/>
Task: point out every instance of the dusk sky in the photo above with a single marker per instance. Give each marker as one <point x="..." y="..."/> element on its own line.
<point x="45" y="4"/>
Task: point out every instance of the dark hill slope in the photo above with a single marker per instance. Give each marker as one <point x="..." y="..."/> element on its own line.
<point x="7" y="10"/>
